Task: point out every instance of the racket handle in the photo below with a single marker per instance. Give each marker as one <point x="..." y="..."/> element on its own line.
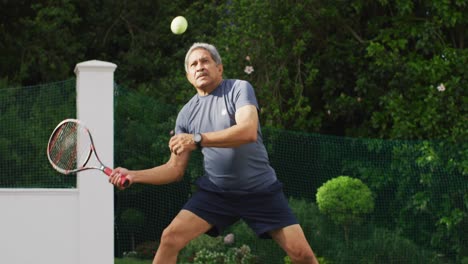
<point x="123" y="179"/>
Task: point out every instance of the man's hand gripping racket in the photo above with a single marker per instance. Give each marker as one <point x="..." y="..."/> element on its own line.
<point x="70" y="148"/>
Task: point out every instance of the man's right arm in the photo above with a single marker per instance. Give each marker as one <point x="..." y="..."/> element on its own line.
<point x="171" y="171"/>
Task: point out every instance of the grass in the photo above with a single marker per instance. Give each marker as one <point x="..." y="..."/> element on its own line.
<point x="131" y="261"/>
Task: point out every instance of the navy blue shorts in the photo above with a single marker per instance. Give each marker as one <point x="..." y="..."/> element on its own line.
<point x="263" y="211"/>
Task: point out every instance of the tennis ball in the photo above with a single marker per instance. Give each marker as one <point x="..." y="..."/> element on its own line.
<point x="179" y="25"/>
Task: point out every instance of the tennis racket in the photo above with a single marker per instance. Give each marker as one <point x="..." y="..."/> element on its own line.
<point x="70" y="148"/>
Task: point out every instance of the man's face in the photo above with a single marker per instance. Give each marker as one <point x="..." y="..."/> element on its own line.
<point x="203" y="73"/>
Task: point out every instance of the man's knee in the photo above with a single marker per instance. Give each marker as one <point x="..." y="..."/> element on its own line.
<point x="302" y="255"/>
<point x="171" y="239"/>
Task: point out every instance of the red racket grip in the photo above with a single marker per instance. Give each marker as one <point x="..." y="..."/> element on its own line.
<point x="123" y="179"/>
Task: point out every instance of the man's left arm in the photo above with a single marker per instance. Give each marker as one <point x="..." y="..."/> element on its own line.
<point x="243" y="132"/>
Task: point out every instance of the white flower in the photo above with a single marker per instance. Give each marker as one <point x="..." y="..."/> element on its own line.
<point x="441" y="87"/>
<point x="229" y="239"/>
<point x="247" y="58"/>
<point x="248" y="69"/>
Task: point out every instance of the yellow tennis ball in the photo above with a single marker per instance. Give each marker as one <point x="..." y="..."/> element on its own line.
<point x="179" y="25"/>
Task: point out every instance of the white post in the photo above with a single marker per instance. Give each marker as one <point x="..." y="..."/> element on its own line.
<point x="95" y="108"/>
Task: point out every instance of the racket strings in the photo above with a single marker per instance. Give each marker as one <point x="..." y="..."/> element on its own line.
<point x="70" y="146"/>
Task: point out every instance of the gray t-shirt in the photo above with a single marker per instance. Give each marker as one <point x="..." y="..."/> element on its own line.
<point x="243" y="168"/>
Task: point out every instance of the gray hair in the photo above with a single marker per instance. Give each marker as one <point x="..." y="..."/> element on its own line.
<point x="208" y="47"/>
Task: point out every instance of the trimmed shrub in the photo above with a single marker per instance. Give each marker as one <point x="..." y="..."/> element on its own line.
<point x="345" y="200"/>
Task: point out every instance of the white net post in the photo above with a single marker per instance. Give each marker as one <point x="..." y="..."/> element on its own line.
<point x="95" y="108"/>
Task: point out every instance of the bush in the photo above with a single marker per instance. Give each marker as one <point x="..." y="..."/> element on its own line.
<point x="370" y="245"/>
<point x="207" y="249"/>
<point x="241" y="255"/>
<point x="383" y="246"/>
<point x="265" y="250"/>
<point x="345" y="200"/>
<point x="147" y="250"/>
<point x="203" y="242"/>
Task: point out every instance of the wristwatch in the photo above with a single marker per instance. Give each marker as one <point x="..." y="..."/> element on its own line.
<point x="197" y="138"/>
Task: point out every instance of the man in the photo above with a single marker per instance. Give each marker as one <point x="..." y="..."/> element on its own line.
<point x="238" y="183"/>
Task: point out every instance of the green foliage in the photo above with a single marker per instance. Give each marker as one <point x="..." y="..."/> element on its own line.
<point x="442" y="213"/>
<point x="133" y="221"/>
<point x="370" y="244"/>
<point x="383" y="246"/>
<point x="423" y="179"/>
<point x="133" y="112"/>
<point x="143" y="126"/>
<point x="27" y="117"/>
<point x="361" y="68"/>
<point x="48" y="45"/>
<point x="133" y="217"/>
<point x="282" y="78"/>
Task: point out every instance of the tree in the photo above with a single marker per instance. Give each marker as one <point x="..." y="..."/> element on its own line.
<point x="345" y="200"/>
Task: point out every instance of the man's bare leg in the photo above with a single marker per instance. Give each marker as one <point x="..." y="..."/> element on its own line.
<point x="294" y="242"/>
<point x="183" y="228"/>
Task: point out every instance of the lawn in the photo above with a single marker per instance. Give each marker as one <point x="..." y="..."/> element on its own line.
<point x="131" y="261"/>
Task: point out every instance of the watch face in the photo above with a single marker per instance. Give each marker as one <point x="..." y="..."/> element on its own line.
<point x="197" y="138"/>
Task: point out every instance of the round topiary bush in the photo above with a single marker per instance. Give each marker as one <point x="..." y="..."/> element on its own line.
<point x="345" y="200"/>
